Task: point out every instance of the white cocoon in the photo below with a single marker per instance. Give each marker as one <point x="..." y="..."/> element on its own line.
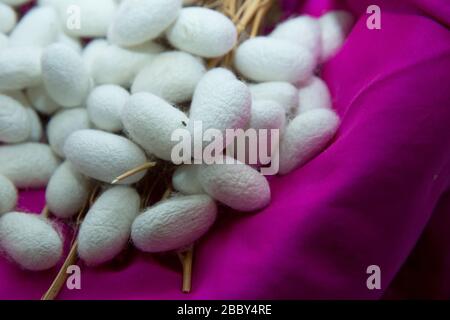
<point x="174" y="223"/>
<point x="105" y="105"/>
<point x="138" y="21"/>
<point x="305" y="137"/>
<point x="304" y="31"/>
<point x="150" y="122"/>
<point x="20" y="67"/>
<point x="282" y="92"/>
<point x="335" y="26"/>
<point x="36" y="130"/>
<point x="8" y="18"/>
<point x="39" y="27"/>
<point x="29" y="240"/>
<point x="203" y="32"/>
<point x="115" y="65"/>
<point x="172" y="76"/>
<point x="185" y="180"/>
<point x="91" y="52"/>
<point x="41" y="101"/>
<point x="106" y="228"/>
<point x="14" y="121"/>
<point x="63" y="124"/>
<point x="95" y="17"/>
<point x="72" y="42"/>
<point x="314" y="95"/>
<point x="270" y="59"/>
<point x="67" y="191"/>
<point x="267" y="114"/>
<point x="65" y="77"/>
<point x="235" y="184"/>
<point x="104" y="156"/>
<point x="28" y="165"/>
<point x="220" y="102"/>
<point x="8" y="195"/>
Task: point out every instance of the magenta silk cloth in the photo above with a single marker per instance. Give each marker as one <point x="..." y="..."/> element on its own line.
<point x="379" y="195"/>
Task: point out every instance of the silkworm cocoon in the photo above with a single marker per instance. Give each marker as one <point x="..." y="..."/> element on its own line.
<point x="138" y="21"/>
<point x="335" y="27"/>
<point x="67" y="191"/>
<point x="104" y="156"/>
<point x="20" y="67"/>
<point x="105" y="104"/>
<point x="235" y="184"/>
<point x="15" y="3"/>
<point x="39" y="27"/>
<point x="267" y="114"/>
<point x="172" y="76"/>
<point x="30" y="240"/>
<point x="8" y="18"/>
<point x="8" y="195"/>
<point x="14" y="121"/>
<point x="305" y="137"/>
<point x="41" y="101"/>
<point x="70" y="41"/>
<point x="4" y="41"/>
<point x="203" y="32"/>
<point x="270" y="59"/>
<point x="314" y="95"/>
<point x="150" y="122"/>
<point x="115" y="65"/>
<point x="36" y="130"/>
<point x="28" y="165"/>
<point x="65" y="76"/>
<point x="282" y="92"/>
<point x="63" y="124"/>
<point x="91" y="51"/>
<point x="304" y="31"/>
<point x="220" y="102"/>
<point x="106" y="228"/>
<point x="95" y="16"/>
<point x="185" y="180"/>
<point x="174" y="223"/>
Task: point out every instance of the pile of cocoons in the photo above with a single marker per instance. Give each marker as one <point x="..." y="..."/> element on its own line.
<point x="82" y="104"/>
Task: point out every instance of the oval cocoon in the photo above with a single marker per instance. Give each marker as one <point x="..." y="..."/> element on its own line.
<point x="30" y="241"/>
<point x="106" y="228"/>
<point x="8" y="195"/>
<point x="14" y="121"/>
<point x="67" y="191"/>
<point x="267" y="114"/>
<point x="270" y="59"/>
<point x="65" y="76"/>
<point x="282" y="92"/>
<point x="39" y="27"/>
<point x="63" y="124"/>
<point x="115" y="65"/>
<point x="28" y="165"/>
<point x="185" y="180"/>
<point x="105" y="105"/>
<point x="104" y="156"/>
<point x="203" y="32"/>
<point x="314" y="95"/>
<point x="20" y="67"/>
<point x="174" y="223"/>
<point x="150" y="122"/>
<point x="335" y="26"/>
<point x="305" y="137"/>
<point x="8" y="18"/>
<point x="172" y="76"/>
<point x="303" y="31"/>
<point x="138" y="21"/>
<point x="220" y="103"/>
<point x="235" y="184"/>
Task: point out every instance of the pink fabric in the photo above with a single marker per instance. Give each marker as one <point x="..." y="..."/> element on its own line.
<point x="378" y="195"/>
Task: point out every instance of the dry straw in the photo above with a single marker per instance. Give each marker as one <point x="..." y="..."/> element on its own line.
<point x="248" y="16"/>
